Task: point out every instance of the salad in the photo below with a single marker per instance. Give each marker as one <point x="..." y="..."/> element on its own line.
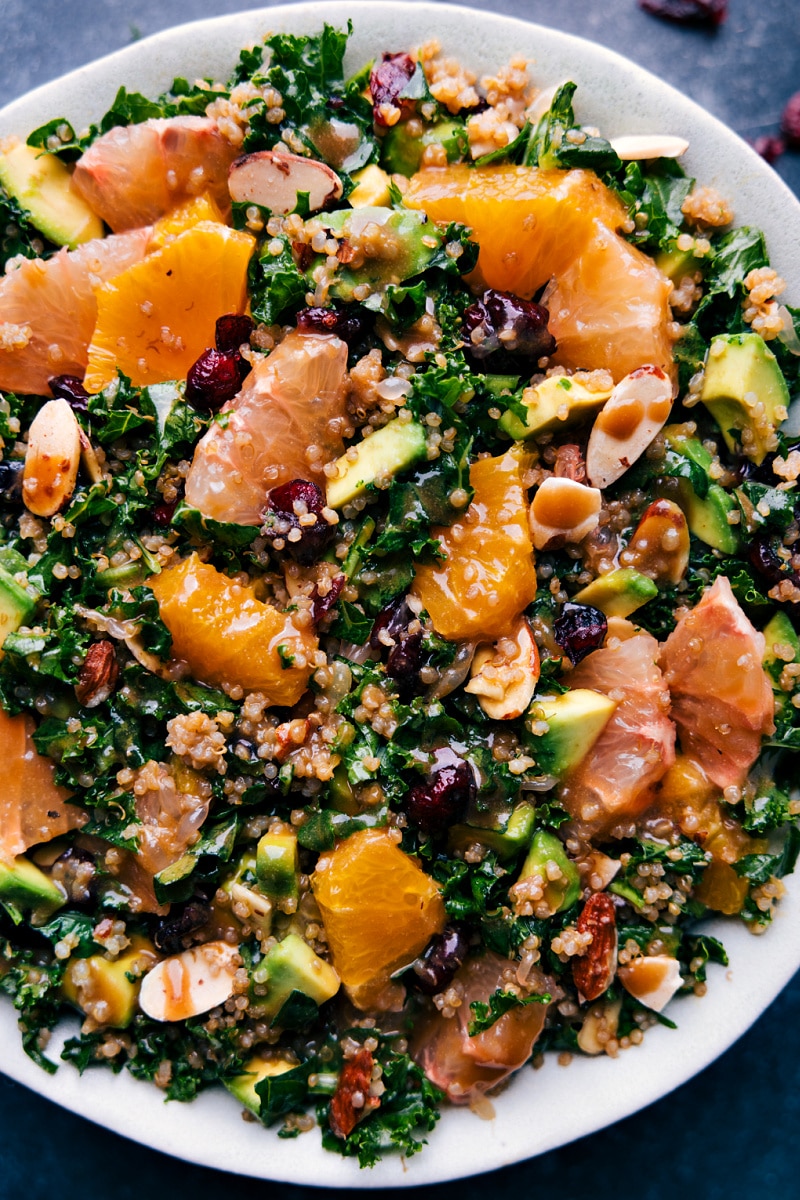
<point x="397" y="583"/>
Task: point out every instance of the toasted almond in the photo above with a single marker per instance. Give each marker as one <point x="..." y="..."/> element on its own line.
<point x="504" y="677"/>
<point x="563" y="510"/>
<point x="653" y="980"/>
<point x="637" y="146"/>
<point x="659" y="547"/>
<point x="52" y="459"/>
<point x="189" y="983"/>
<point x="593" y="972"/>
<point x="638" y="408"/>
<point x="274" y="181"/>
<point x="599" y="1027"/>
<point x="599" y="871"/>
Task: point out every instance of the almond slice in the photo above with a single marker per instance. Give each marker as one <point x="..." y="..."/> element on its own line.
<point x="274" y="181"/>
<point x="504" y="677"/>
<point x="660" y="546"/>
<point x="189" y="983"/>
<point x="638" y="408"/>
<point x="637" y="146"/>
<point x="52" y="459"/>
<point x="653" y="980"/>
<point x="563" y="510"/>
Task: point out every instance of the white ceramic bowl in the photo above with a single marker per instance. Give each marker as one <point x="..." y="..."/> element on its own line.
<point x="545" y="1109"/>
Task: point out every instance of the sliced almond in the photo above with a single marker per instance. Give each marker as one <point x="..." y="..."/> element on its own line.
<point x="659" y="547"/>
<point x="190" y="983"/>
<point x="599" y="1027"/>
<point x="563" y="510"/>
<point x="639" y="406"/>
<point x="653" y="980"/>
<point x="52" y="459"/>
<point x="89" y="460"/>
<point x="504" y="677"/>
<point x="274" y="181"/>
<point x="636" y="146"/>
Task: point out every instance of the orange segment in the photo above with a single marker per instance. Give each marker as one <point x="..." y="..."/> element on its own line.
<point x="185" y="216"/>
<point x="529" y="224"/>
<point x="488" y="577"/>
<point x="379" y="908"/>
<point x="228" y="636"/>
<point x="156" y="318"/>
<point x="609" y="309"/>
<point x="32" y="808"/>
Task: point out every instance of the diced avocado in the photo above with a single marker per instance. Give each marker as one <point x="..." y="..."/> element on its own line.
<point x="40" y="183"/>
<point x="512" y="838"/>
<point x="401" y="152"/>
<point x="26" y="889"/>
<point x="383" y="454"/>
<point x="17" y="604"/>
<point x="100" y="986"/>
<point x="403" y="245"/>
<point x="618" y="593"/>
<point x="559" y="893"/>
<point x="292" y="966"/>
<point x="676" y="264"/>
<point x="741" y="373"/>
<point x="500" y="385"/>
<point x="575" y="721"/>
<point x="341" y="793"/>
<point x="277" y="870"/>
<point x="553" y="404"/>
<point x="779" y="631"/>
<point x="258" y="1068"/>
<point x="372" y="187"/>
<point x="706" y="516"/>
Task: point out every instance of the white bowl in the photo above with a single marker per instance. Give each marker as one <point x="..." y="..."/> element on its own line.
<point x="550" y="1107"/>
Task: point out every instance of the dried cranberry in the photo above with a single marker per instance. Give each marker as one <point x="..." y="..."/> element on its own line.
<point x="232" y="331"/>
<point x="304" y="543"/>
<point x="579" y="629"/>
<point x="790" y="121"/>
<point x="393" y="620"/>
<point x="163" y="513"/>
<point x="11" y="472"/>
<point x="346" y="325"/>
<point x="766" y="561"/>
<point x="405" y="656"/>
<point x="213" y="380"/>
<point x="769" y="147"/>
<point x="387" y="83"/>
<point x="183" y="920"/>
<point x="500" y="321"/>
<point x="71" y="389"/>
<point x="688" y="12"/>
<point x="435" y="804"/>
<point x="322" y="605"/>
<point x="441" y="959"/>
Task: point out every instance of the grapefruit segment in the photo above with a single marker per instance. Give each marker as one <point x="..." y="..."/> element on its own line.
<point x="614" y="782"/>
<point x="134" y="174"/>
<point x="291" y="402"/>
<point x="33" y="808"/>
<point x="48" y="310"/>
<point x="157" y="317"/>
<point x="722" y="700"/>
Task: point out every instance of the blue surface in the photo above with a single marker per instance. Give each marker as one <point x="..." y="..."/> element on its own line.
<point x="730" y="1133"/>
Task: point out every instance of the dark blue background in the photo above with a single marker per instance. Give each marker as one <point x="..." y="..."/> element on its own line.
<point x="732" y="1132"/>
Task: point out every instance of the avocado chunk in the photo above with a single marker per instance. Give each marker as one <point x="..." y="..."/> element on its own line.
<point x="401" y="152"/>
<point x="506" y="841"/>
<point x="383" y="454"/>
<point x="676" y="264"/>
<point x="26" y="889"/>
<point x="41" y="184"/>
<point x="742" y="374"/>
<point x="398" y="244"/>
<point x="562" y="891"/>
<point x="292" y="966"/>
<point x="372" y="188"/>
<point x="17" y="604"/>
<point x="618" y="593"/>
<point x="706" y="516"/>
<point x="554" y="403"/>
<point x="100" y="986"/>
<point x="257" y="1069"/>
<point x="277" y="869"/>
<point x="779" y="631"/>
<point x="575" y="721"/>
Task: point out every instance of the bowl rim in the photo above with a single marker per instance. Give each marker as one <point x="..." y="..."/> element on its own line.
<point x="577" y="1103"/>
